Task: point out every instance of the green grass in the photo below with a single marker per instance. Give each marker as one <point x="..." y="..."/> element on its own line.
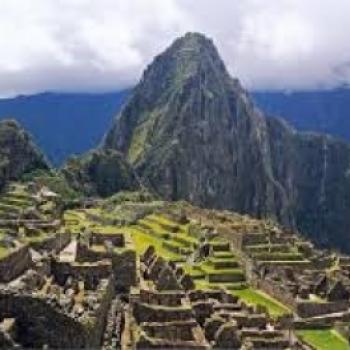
<point x="4" y="252"/>
<point x="143" y="240"/>
<point x="324" y="339"/>
<point x="208" y="268"/>
<point x="107" y="229"/>
<point x="39" y="237"/>
<point x="256" y="297"/>
<point x="83" y="221"/>
<point x="224" y="255"/>
<point x="163" y="220"/>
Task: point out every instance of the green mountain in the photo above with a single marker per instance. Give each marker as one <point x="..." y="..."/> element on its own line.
<point x="53" y="118"/>
<point x="192" y="132"/>
<point x="100" y="173"/>
<point x="18" y="153"/>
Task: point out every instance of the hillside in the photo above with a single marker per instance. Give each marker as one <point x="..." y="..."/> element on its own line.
<point x="64" y="124"/>
<point x="192" y="132"/>
<point x="18" y="153"/>
<point x="100" y="173"/>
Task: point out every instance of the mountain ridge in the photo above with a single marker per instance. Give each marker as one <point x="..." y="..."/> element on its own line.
<point x="314" y="111"/>
<point x="323" y="111"/>
<point x="64" y="124"/>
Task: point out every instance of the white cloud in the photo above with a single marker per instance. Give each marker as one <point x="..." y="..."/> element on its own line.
<point x="89" y="45"/>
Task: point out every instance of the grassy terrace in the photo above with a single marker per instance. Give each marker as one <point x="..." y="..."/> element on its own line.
<point x="256" y="297"/>
<point x="76" y="221"/>
<point x="4" y="252"/>
<point x="220" y="271"/>
<point x="174" y="242"/>
<point x="142" y="240"/>
<point x="39" y="237"/>
<point x="324" y="339"/>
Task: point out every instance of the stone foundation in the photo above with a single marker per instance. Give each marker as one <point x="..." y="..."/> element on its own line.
<point x="54" y="244"/>
<point x="174" y="330"/>
<point x="117" y="239"/>
<point x="90" y="273"/>
<point x="15" y="264"/>
<point x="148" y="313"/>
<point x="164" y="298"/>
<point x="311" y="309"/>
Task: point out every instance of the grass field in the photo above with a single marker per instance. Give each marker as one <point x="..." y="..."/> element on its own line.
<point x="4" y="252"/>
<point x="256" y="297"/>
<point x="143" y="240"/>
<point x="324" y="339"/>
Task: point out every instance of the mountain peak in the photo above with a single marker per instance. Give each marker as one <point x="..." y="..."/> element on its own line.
<point x="193" y="40"/>
<point x="189" y="72"/>
<point x="188" y="56"/>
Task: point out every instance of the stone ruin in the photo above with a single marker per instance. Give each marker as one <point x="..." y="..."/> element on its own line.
<point x="164" y="315"/>
<point x="49" y="300"/>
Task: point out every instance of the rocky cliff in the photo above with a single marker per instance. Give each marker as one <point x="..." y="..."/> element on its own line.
<point x="192" y="132"/>
<point x="18" y="154"/>
<point x="100" y="173"/>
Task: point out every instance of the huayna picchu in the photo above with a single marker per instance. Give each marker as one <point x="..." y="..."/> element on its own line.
<point x="186" y="229"/>
<point x="193" y="133"/>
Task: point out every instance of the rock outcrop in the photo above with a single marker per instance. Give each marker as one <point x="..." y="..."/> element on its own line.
<point x="192" y="132"/>
<point x="18" y="153"/>
<point x="100" y="173"/>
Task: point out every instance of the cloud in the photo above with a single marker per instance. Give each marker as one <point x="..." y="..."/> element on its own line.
<point x="89" y="45"/>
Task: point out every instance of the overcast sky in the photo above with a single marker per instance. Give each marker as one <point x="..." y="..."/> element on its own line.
<point x="103" y="45"/>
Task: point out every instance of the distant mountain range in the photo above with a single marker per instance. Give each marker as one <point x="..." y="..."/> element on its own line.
<point x="322" y="111"/>
<point x="66" y="123"/>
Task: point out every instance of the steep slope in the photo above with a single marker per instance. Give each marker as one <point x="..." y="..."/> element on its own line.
<point x="18" y="154"/>
<point x="100" y="172"/>
<point x="64" y="124"/>
<point x="322" y="111"/>
<point x="193" y="133"/>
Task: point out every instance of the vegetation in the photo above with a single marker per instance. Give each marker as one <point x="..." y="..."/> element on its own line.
<point x="256" y="297"/>
<point x="54" y="180"/>
<point x="4" y="252"/>
<point x="143" y="240"/>
<point x="100" y="173"/>
<point x="128" y="196"/>
<point x="324" y="339"/>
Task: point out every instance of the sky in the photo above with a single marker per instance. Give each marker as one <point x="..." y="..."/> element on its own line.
<point x="104" y="45"/>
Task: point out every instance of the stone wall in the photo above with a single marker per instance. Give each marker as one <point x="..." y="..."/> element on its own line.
<point x="175" y="330"/>
<point x="53" y="244"/>
<point x="100" y="318"/>
<point x="39" y="323"/>
<point x="90" y="273"/>
<point x="163" y="298"/>
<point x="85" y="254"/>
<point x="117" y="239"/>
<point x="15" y="264"/>
<point x="307" y="309"/>
<point x="124" y="269"/>
<point x="149" y="313"/>
<point x="123" y="264"/>
<point x="276" y="291"/>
